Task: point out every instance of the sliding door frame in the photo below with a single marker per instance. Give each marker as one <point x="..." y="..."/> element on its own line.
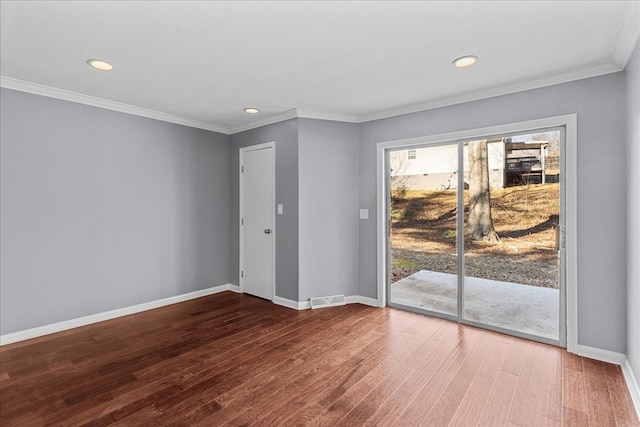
<point x="568" y="330"/>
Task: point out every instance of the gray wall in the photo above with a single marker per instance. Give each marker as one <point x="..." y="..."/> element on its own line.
<point x="329" y="208"/>
<point x="285" y="136"/>
<point x="602" y="189"/>
<point x="101" y="210"/>
<point x="633" y="217"/>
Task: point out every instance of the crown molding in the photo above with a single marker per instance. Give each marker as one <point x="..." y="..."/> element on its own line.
<point x="564" y="77"/>
<point x="325" y="115"/>
<point x="281" y="117"/>
<point x="295" y="113"/>
<point x="66" y="95"/>
<point x="628" y="36"/>
<point x="624" y="49"/>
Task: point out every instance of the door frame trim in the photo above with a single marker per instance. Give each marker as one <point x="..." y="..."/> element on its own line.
<point x="243" y="150"/>
<point x="568" y="235"/>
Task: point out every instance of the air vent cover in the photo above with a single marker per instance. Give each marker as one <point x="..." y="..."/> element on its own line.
<point x="329" y="301"/>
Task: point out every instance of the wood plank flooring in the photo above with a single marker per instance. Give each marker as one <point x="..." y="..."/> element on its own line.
<point x="231" y="359"/>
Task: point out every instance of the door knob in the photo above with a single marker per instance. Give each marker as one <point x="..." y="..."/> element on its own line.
<point x="267" y="231"/>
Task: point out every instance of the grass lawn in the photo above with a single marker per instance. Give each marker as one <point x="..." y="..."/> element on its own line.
<point x="525" y="217"/>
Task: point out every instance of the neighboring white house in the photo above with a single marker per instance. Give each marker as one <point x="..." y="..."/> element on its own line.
<point x="435" y="168"/>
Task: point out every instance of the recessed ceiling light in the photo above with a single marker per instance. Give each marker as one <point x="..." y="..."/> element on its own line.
<point x="100" y="65"/>
<point x="465" y="61"/>
<point x="251" y="110"/>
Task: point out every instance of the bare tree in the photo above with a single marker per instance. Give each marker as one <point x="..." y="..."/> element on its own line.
<point x="480" y="223"/>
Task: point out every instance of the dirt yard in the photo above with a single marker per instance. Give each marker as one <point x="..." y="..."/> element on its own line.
<point x="525" y="217"/>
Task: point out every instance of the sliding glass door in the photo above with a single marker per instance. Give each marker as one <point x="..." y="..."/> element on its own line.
<point x="423" y="210"/>
<point x="474" y="232"/>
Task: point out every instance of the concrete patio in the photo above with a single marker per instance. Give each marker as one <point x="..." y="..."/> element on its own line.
<point x="528" y="309"/>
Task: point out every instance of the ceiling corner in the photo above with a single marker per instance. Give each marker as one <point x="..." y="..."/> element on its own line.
<point x="325" y="115"/>
<point x="628" y="36"/>
<point x="280" y="117"/>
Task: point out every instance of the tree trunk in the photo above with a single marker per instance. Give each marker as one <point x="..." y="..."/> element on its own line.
<point x="480" y="223"/>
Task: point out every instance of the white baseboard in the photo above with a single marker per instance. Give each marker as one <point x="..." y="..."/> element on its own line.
<point x="302" y="305"/>
<point x="581" y="350"/>
<point x="632" y="384"/>
<point x="599" y="354"/>
<point x="616" y="359"/>
<point x="306" y="305"/>
<point x="357" y="299"/>
<point x="99" y="317"/>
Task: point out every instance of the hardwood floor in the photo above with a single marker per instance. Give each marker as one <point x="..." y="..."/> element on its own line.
<point x="237" y="360"/>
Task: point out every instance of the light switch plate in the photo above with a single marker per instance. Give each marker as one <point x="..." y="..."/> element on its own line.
<point x="280" y="209"/>
<point x="364" y="213"/>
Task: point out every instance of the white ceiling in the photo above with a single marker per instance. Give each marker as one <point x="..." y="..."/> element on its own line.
<point x="201" y="63"/>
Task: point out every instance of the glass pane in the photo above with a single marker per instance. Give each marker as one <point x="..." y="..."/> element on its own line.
<point x="511" y="257"/>
<point x="423" y="200"/>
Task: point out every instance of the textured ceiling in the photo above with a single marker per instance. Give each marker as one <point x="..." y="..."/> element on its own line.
<point x="353" y="61"/>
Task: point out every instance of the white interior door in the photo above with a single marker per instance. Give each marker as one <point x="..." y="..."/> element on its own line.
<point x="257" y="204"/>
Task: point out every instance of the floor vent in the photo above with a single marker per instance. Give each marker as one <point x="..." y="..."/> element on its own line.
<point x="330" y="301"/>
